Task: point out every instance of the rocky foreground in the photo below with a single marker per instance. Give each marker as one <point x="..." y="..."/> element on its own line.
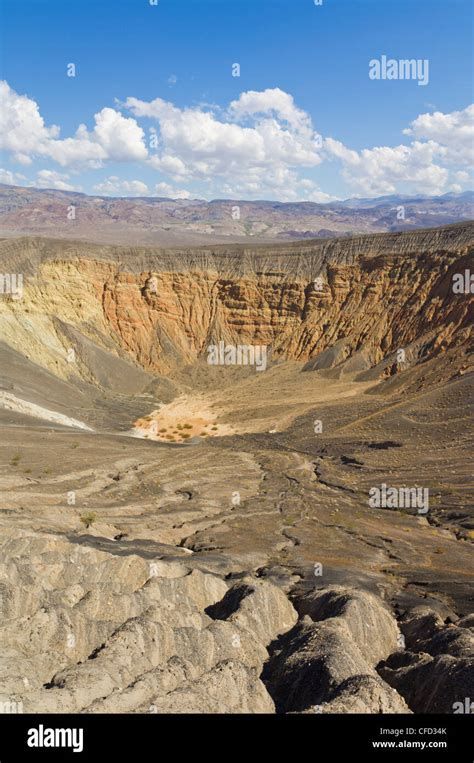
<point x="88" y="631"/>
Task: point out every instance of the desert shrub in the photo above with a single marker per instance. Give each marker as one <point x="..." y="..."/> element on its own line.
<point x="88" y="518"/>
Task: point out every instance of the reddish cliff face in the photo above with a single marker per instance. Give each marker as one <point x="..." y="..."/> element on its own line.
<point x="377" y="306"/>
<point x="359" y="300"/>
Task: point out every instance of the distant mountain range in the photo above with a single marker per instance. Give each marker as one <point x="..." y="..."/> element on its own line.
<point x="169" y="222"/>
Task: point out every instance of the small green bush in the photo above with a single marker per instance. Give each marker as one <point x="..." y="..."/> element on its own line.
<point x="88" y="518"/>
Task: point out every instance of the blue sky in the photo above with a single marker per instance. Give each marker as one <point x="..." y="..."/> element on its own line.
<point x="304" y="73"/>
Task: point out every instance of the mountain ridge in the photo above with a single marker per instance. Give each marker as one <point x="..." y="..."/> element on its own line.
<point x="168" y="222"/>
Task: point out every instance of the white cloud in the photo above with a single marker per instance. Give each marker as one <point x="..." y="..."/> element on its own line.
<point x="382" y="170"/>
<point x="283" y="185"/>
<point x="257" y="147"/>
<point x="261" y="146"/>
<point x="44" y="179"/>
<point x="442" y="143"/>
<point x="22" y="127"/>
<point x="453" y="132"/>
<point x="339" y="150"/>
<point x="462" y="176"/>
<point x="171" y="165"/>
<point x="165" y="189"/>
<point x="52" y="179"/>
<point x="272" y="101"/>
<point x="310" y="192"/>
<point x="197" y="136"/>
<point x="113" y="185"/>
<point x="25" y="135"/>
<point x="22" y="159"/>
<point x="121" y="137"/>
<point x="10" y="178"/>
